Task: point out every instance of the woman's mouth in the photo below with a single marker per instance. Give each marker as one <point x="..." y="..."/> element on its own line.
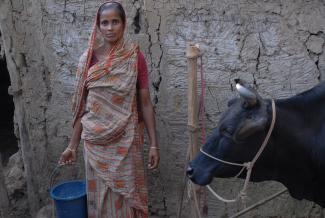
<point x="110" y="35"/>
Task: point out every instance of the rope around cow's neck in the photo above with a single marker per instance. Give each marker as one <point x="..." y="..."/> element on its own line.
<point x="248" y="166"/>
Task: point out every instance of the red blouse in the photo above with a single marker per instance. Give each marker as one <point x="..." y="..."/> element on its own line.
<point x="142" y="82"/>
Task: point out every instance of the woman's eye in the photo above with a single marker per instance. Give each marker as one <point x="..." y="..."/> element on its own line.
<point x="104" y="22"/>
<point x="115" y="22"/>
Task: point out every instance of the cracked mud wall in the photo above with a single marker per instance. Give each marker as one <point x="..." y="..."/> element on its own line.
<point x="278" y="46"/>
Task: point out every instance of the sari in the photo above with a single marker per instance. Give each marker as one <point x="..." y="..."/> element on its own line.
<point x="106" y="101"/>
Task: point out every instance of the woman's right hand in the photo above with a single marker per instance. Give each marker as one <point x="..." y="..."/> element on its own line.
<point x="68" y="156"/>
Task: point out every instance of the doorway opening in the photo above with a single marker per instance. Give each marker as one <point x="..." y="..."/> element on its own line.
<point x="8" y="140"/>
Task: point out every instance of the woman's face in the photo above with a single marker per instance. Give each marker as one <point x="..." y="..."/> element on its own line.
<point x="111" y="26"/>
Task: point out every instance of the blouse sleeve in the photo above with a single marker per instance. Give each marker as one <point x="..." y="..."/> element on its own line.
<point x="143" y="81"/>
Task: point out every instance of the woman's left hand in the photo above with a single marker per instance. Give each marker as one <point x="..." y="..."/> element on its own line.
<point x="153" y="161"/>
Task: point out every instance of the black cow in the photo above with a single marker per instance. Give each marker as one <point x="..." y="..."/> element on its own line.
<point x="294" y="155"/>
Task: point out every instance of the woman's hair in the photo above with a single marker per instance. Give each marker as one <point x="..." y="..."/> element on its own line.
<point x="115" y="6"/>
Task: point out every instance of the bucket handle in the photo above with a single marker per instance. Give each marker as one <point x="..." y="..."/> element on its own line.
<point x="53" y="174"/>
<point x="52" y="177"/>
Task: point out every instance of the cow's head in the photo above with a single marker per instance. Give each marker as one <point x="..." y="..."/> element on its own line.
<point x="237" y="138"/>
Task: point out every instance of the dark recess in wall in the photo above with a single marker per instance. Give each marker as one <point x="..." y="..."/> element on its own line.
<point x="8" y="141"/>
<point x="136" y="22"/>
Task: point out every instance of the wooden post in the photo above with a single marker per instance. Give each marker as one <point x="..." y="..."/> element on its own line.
<point x="192" y="54"/>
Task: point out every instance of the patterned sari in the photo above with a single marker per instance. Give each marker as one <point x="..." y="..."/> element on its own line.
<point x="105" y="100"/>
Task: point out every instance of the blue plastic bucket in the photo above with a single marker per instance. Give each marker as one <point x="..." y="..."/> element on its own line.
<point x="70" y="199"/>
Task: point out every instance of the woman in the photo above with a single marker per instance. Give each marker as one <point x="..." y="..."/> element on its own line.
<point x="112" y="85"/>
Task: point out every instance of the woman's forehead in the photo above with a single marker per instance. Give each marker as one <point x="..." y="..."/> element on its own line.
<point x="109" y="13"/>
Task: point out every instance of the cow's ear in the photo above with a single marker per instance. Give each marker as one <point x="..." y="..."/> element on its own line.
<point x="249" y="127"/>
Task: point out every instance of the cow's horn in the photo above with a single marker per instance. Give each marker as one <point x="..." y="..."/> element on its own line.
<point x="249" y="96"/>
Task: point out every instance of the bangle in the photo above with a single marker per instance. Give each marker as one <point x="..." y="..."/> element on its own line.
<point x="71" y="149"/>
<point x="154" y="147"/>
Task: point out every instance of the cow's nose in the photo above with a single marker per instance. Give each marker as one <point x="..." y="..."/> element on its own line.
<point x="189" y="171"/>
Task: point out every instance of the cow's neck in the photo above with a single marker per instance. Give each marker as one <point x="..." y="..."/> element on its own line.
<point x="292" y="148"/>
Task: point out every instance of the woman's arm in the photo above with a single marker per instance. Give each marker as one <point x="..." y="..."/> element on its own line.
<point x="69" y="155"/>
<point x="76" y="135"/>
<point x="149" y="121"/>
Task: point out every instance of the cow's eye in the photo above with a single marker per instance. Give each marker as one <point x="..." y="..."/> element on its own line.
<point x="225" y="132"/>
<point x="250" y="114"/>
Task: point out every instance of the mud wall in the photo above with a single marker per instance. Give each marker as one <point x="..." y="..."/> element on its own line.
<point x="275" y="45"/>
